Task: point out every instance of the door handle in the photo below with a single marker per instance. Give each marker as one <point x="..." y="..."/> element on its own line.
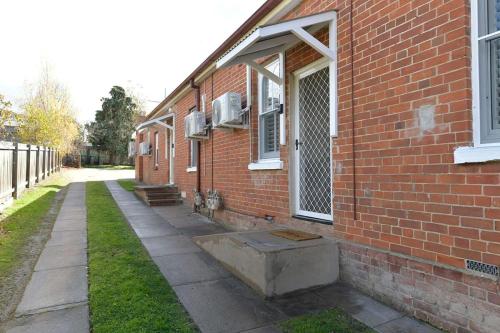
<point x="297" y="143"/>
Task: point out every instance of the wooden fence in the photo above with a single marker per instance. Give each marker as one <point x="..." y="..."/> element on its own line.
<point x="23" y="166"/>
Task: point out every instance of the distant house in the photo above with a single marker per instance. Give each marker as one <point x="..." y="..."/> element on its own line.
<point x="10" y="130"/>
<point x="372" y="122"/>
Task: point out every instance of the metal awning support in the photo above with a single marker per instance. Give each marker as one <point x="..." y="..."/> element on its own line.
<point x="276" y="39"/>
<point x="262" y="70"/>
<point x="155" y="121"/>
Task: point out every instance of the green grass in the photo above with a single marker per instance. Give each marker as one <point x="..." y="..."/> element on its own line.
<point x="110" y="167"/>
<point x="328" y="321"/>
<point x="127" y="291"/>
<point x="127" y="184"/>
<point x="23" y="219"/>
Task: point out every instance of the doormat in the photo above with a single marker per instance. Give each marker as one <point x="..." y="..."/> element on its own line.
<point x="294" y="235"/>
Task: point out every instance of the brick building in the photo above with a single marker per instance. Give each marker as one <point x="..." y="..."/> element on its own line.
<point x="373" y="122"/>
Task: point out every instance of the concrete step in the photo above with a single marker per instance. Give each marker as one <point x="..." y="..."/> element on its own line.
<point x="274" y="265"/>
<point x="164" y="202"/>
<point x="163" y="195"/>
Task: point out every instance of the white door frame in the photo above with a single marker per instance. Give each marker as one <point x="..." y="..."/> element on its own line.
<point x="299" y="74"/>
<point x="172" y="156"/>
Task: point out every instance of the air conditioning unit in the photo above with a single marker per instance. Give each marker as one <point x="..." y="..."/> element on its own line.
<point x="227" y="112"/>
<point x="195" y="126"/>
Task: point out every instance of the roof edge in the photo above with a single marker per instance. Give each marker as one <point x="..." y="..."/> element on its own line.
<point x="261" y="13"/>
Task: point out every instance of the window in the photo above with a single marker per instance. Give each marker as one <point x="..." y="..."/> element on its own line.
<point x="487" y="70"/>
<point x="148" y="141"/>
<point x="269" y="107"/>
<point x="193" y="153"/>
<point x="157" y="150"/>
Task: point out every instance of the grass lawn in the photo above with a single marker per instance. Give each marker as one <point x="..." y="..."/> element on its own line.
<point x="127" y="184"/>
<point x="110" y="167"/>
<point x="23" y="219"/>
<point x="328" y="321"/>
<point x="127" y="291"/>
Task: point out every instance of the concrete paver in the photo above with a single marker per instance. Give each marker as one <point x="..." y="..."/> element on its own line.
<point x="70" y="320"/>
<point x="190" y="268"/>
<point x="162" y="246"/>
<point x="155" y="231"/>
<point x="225" y="305"/>
<point x="61" y="256"/>
<point x="68" y="237"/>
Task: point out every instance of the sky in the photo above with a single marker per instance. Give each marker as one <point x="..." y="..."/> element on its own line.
<point x="148" y="45"/>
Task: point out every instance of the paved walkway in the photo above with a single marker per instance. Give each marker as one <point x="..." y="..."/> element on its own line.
<point x="55" y="300"/>
<point x="219" y="302"/>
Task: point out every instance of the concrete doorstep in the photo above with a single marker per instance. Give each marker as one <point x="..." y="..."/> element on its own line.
<point x="217" y="301"/>
<point x="55" y="300"/>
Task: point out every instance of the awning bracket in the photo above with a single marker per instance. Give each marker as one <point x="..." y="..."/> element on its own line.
<point x="313" y="42"/>
<point x="264" y="71"/>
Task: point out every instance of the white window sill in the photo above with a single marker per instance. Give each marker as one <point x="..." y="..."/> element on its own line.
<point x="266" y="165"/>
<point x="476" y="154"/>
<point x="191" y="169"/>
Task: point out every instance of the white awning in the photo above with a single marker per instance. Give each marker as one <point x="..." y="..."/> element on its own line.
<point x="275" y="38"/>
<point x="155" y="121"/>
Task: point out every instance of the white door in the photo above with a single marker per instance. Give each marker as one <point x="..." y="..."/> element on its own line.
<point x="172" y="156"/>
<point x="312" y="144"/>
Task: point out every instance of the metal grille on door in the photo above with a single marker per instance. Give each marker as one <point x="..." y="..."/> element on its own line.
<point x="314" y="139"/>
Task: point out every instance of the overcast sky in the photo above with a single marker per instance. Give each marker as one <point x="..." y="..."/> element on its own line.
<point x="91" y="45"/>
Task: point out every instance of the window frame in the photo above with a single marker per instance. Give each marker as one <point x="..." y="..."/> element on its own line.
<point x="483" y="134"/>
<point x="157" y="149"/>
<point x="274" y="155"/>
<point x="193" y="154"/>
<point x="479" y="152"/>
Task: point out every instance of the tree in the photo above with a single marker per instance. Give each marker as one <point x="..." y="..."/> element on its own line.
<point x="113" y="124"/>
<point x="7" y="116"/>
<point x="48" y="116"/>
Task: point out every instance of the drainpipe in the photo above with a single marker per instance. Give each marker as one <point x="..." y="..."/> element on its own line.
<point x="198" y="108"/>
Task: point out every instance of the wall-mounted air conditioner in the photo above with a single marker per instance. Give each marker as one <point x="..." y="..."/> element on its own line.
<point x="195" y="126"/>
<point x="144" y="148"/>
<point x="227" y="112"/>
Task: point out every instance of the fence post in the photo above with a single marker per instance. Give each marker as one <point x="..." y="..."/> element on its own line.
<point x="37" y="168"/>
<point x="28" y="166"/>
<point x="15" y="157"/>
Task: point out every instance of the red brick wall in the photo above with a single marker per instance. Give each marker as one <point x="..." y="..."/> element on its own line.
<point x="151" y="174"/>
<point x="395" y="185"/>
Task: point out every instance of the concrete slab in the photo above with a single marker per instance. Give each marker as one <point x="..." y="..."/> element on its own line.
<point x="273" y="265"/>
<point x="406" y="325"/>
<point x="61" y="256"/>
<point x="204" y="229"/>
<point x="155" y="231"/>
<point x="188" y="221"/>
<point x="190" y="268"/>
<point x="69" y="237"/>
<point x="173" y="211"/>
<point x="300" y="303"/>
<point x="162" y="246"/>
<point x="71" y="320"/>
<point x="140" y="212"/>
<point x="52" y="288"/>
<point x="146" y="221"/>
<point x="225" y="306"/>
<point x="361" y="307"/>
<point x="67" y="215"/>
<point x="70" y="225"/>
